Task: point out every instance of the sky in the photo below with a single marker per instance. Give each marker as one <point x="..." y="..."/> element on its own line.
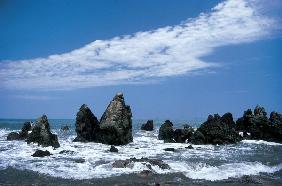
<point x="171" y="59"/>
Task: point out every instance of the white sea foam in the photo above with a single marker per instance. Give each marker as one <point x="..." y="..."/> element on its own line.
<point x="260" y="142"/>
<point x="98" y="159"/>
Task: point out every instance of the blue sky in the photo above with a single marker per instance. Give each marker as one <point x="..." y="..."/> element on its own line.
<point x="171" y="59"/>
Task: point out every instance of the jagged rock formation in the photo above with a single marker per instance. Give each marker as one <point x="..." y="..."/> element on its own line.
<point x="86" y="125"/>
<point x="22" y="134"/>
<point x="217" y="130"/>
<point x="116" y="123"/>
<point x="148" y="126"/>
<point x="259" y="127"/>
<point x="183" y="135"/>
<point x="166" y="132"/>
<point x="42" y="135"/>
<point x="114" y="128"/>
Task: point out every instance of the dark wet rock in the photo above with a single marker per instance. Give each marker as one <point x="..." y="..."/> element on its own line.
<point x="148" y="126"/>
<point x="42" y="135"/>
<point x="13" y="136"/>
<point x="113" y="149"/>
<point x="217" y="130"/>
<point x="27" y="126"/>
<point x="41" y="153"/>
<point x="189" y="147"/>
<point x="79" y="160"/>
<point x="65" y="128"/>
<point x="166" y="132"/>
<point x="116" y="123"/>
<point x="183" y="135"/>
<point x="130" y="162"/>
<point x="169" y="149"/>
<point x="86" y="125"/>
<point x="145" y="173"/>
<point x="66" y="152"/>
<point x="259" y="126"/>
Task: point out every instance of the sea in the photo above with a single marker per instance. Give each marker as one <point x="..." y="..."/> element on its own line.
<point x="250" y="162"/>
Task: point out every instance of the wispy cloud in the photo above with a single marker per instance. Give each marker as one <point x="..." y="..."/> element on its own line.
<point x="34" y="97"/>
<point x="143" y="56"/>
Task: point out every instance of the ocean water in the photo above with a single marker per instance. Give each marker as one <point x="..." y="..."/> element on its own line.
<point x="248" y="162"/>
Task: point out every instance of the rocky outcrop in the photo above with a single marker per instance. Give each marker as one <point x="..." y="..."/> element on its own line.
<point x="114" y="128"/>
<point x="86" y="125"/>
<point x="183" y="135"/>
<point x="22" y="134"/>
<point x="129" y="163"/>
<point x="41" y="153"/>
<point x="113" y="149"/>
<point x="166" y="132"/>
<point x="148" y="126"/>
<point x="42" y="135"/>
<point x="217" y="130"/>
<point x="259" y="126"/>
<point x="116" y="123"/>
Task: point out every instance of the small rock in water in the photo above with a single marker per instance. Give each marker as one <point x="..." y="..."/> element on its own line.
<point x="149" y="126"/>
<point x="169" y="149"/>
<point x="13" y="136"/>
<point x="189" y="147"/>
<point x="113" y="149"/>
<point x="128" y="163"/>
<point x="41" y="153"/>
<point x="80" y="160"/>
<point x="65" y="128"/>
<point x="66" y="152"/>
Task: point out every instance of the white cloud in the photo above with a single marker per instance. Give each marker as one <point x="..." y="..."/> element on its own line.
<point x="144" y="56"/>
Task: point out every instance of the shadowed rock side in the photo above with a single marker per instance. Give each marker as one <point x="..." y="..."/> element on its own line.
<point x="217" y="130"/>
<point x="22" y="134"/>
<point x="115" y="127"/>
<point x="41" y="134"/>
<point x="86" y="125"/>
<point x="166" y="132"/>
<point x="116" y="123"/>
<point x="148" y="126"/>
<point x="257" y="126"/>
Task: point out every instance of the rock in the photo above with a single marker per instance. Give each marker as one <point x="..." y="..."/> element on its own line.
<point x="42" y="135"/>
<point x="183" y="135"/>
<point x="25" y="129"/>
<point x="66" y="152"/>
<point x="80" y="160"/>
<point x="198" y="138"/>
<point x="189" y="147"/>
<point x="86" y="125"/>
<point x="113" y="149"/>
<point x="41" y="153"/>
<point x="259" y="126"/>
<point x="166" y="132"/>
<point x="217" y="130"/>
<point x="148" y="126"/>
<point x="130" y="162"/>
<point x="116" y="123"/>
<point x="65" y="128"/>
<point x="145" y="173"/>
<point x="169" y="149"/>
<point x="13" y="136"/>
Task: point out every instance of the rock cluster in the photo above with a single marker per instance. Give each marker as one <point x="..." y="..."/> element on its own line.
<point x="42" y="135"/>
<point x="148" y="126"/>
<point x="258" y="126"/>
<point x="130" y="163"/>
<point x="22" y="134"/>
<point x="114" y="128"/>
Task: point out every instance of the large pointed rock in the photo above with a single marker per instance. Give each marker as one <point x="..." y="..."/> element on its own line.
<point x="42" y="135"/>
<point x="116" y="123"/>
<point x="86" y="125"/>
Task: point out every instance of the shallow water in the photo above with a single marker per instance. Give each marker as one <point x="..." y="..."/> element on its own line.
<point x="204" y="162"/>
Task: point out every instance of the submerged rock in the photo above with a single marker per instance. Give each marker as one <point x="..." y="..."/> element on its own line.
<point x="130" y="162"/>
<point x="116" y="123"/>
<point x="113" y="149"/>
<point x="13" y="136"/>
<point x="79" y="160"/>
<point x="169" y="149"/>
<point x="259" y="127"/>
<point x="189" y="147"/>
<point x="217" y="130"/>
<point x="86" y="125"/>
<point x="166" y="132"/>
<point x="148" y="126"/>
<point x="41" y="153"/>
<point x="42" y="135"/>
<point x="65" y="128"/>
